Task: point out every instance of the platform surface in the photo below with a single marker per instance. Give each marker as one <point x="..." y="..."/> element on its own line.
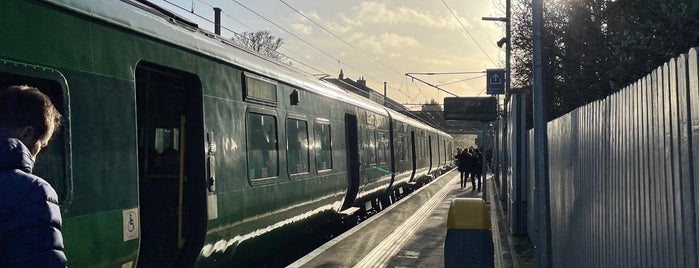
<point x="409" y="233"/>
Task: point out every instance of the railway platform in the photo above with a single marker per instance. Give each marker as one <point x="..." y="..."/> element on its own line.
<point x="411" y="232"/>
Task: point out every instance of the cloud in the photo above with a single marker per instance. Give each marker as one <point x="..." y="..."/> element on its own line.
<point x="380" y="13"/>
<point x="343" y="25"/>
<point x="312" y="14"/>
<point x="383" y="42"/>
<point x="302" y="28"/>
<point x="356" y="36"/>
<point x="436" y="62"/>
<point x="396" y="40"/>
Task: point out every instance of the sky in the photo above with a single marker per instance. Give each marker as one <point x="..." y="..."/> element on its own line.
<point x="379" y="41"/>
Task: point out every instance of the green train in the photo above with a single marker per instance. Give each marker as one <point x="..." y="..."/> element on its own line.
<point x="180" y="149"/>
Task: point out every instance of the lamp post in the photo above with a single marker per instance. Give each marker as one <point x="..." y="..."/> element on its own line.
<point x="503" y="148"/>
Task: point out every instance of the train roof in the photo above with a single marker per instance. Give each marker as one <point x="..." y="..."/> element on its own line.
<point x="145" y="18"/>
<point x="414" y="122"/>
<point x="150" y="20"/>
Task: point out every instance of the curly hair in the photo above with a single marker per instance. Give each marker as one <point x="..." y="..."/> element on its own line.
<point x="22" y="106"/>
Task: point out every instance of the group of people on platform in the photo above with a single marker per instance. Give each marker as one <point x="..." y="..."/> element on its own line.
<point x="469" y="162"/>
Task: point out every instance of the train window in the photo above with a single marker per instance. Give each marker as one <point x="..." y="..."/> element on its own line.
<point x="263" y="156"/>
<point x="405" y="147"/>
<point x="371" y="146"/>
<point x="166" y="139"/>
<point x="444" y="148"/>
<point x="297" y="146"/>
<point x="399" y="147"/>
<point x="260" y="89"/>
<point x="418" y="148"/>
<point x="426" y="148"/>
<point x="422" y="148"/>
<point x="54" y="160"/>
<point x="382" y="147"/>
<point x="323" y="146"/>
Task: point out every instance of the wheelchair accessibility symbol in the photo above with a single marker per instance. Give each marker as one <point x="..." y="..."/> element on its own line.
<point x="130" y="223"/>
<point x="132" y="226"/>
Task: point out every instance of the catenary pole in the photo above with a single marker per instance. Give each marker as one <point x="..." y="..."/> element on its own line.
<point x="502" y="129"/>
<point x="508" y="50"/>
<point x="543" y="246"/>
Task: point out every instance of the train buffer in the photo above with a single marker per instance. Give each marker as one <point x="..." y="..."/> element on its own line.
<point x="409" y="233"/>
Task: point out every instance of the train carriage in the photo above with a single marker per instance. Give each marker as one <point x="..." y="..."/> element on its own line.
<point x="180" y="149"/>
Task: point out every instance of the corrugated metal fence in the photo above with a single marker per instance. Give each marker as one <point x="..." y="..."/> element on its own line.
<point x="623" y="175"/>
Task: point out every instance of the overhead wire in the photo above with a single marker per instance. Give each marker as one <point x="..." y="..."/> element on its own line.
<point x="283" y="48"/>
<point x="285" y="30"/>
<point x="401" y="86"/>
<point x="343" y="40"/>
<point x="420" y="90"/>
<point x="340" y="38"/>
<point x="319" y="25"/>
<point x="301" y="39"/>
<point x="295" y="60"/>
<point x="462" y="80"/>
<point x="251" y="29"/>
<point x="234" y="32"/>
<point x="481" y="92"/>
<point x="469" y="33"/>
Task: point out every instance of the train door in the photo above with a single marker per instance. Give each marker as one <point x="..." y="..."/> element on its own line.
<point x="172" y="188"/>
<point x="367" y="172"/>
<point x="413" y="153"/>
<point x="440" y="151"/>
<point x="429" y="149"/>
<point x="352" y="142"/>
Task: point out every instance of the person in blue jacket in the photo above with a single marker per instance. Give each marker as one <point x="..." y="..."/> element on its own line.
<point x="30" y="218"/>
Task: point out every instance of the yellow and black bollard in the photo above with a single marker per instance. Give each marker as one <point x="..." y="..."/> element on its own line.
<point x="469" y="241"/>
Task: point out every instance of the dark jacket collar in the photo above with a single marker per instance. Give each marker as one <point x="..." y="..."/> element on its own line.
<point x="14" y="155"/>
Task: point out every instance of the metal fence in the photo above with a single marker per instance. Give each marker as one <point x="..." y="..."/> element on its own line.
<point x="623" y="170"/>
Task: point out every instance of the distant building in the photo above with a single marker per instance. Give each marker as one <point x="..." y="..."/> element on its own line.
<point x="432" y="106"/>
<point x="359" y="87"/>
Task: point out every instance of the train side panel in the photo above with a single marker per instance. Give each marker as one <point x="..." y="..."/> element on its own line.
<point x="246" y="172"/>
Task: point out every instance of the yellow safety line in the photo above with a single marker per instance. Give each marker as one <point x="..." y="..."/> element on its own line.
<point x="180" y="240"/>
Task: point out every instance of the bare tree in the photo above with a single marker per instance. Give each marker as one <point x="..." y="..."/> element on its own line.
<point x="263" y="42"/>
<point x="432" y="105"/>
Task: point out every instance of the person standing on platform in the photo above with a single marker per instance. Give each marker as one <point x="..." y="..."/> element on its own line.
<point x="477" y="168"/>
<point x="462" y="164"/>
<point x="456" y="156"/>
<point x="469" y="165"/>
<point x="30" y="218"/>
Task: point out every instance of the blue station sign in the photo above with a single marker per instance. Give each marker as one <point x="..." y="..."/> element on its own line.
<point x="496" y="81"/>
